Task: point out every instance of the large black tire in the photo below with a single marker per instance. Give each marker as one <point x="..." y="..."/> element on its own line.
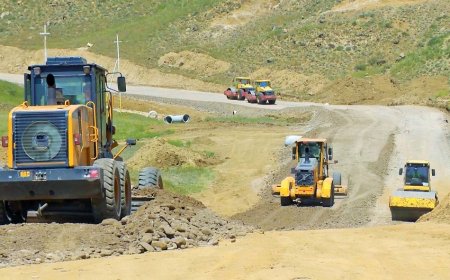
<point x="239" y="94"/>
<point x="3" y="218"/>
<point x="259" y="100"/>
<point x="285" y="200"/>
<point x="272" y="102"/>
<point x="125" y="188"/>
<point x="329" y="202"/>
<point x="337" y="178"/>
<point x="150" y="177"/>
<point x="109" y="205"/>
<point x="14" y="212"/>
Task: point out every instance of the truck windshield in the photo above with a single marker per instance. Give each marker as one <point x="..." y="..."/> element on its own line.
<point x="263" y="84"/>
<point x="416" y="176"/>
<point x="76" y="89"/>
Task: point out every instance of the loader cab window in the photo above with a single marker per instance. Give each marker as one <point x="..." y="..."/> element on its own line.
<point x="310" y="149"/>
<point x="416" y="175"/>
<point x="72" y="88"/>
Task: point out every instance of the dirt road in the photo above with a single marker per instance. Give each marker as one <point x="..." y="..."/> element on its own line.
<point x="370" y="142"/>
<point x="412" y="251"/>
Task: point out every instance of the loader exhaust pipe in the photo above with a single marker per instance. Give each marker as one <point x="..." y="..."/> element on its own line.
<point x="177" y="119"/>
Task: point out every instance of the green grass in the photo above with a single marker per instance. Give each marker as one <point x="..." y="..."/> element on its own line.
<point x="136" y="126"/>
<point x="187" y="180"/>
<point x="180" y="143"/>
<point x="209" y="154"/>
<point x="11" y="95"/>
<point x="368" y="71"/>
<point x="442" y="93"/>
<point x="437" y="48"/>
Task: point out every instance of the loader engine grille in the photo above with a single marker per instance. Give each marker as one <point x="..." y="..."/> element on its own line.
<point x="304" y="178"/>
<point x="40" y="137"/>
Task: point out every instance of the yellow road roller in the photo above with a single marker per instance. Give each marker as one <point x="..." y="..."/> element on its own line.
<point x="416" y="197"/>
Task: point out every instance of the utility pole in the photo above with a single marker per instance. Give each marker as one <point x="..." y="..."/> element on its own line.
<point x="117" y="66"/>
<point x="118" y="52"/>
<point x="45" y="34"/>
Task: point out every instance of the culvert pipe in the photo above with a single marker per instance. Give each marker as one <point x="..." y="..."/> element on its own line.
<point x="177" y="119"/>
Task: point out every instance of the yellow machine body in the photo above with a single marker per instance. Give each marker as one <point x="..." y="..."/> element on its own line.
<point x="80" y="125"/>
<point x="243" y="83"/>
<point x="416" y="197"/>
<point x="310" y="181"/>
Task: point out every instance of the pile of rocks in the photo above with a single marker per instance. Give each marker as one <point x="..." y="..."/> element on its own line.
<point x="175" y="222"/>
<point x="168" y="222"/>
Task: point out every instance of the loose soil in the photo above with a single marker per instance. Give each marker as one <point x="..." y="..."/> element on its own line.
<point x="168" y="222"/>
<point x="408" y="251"/>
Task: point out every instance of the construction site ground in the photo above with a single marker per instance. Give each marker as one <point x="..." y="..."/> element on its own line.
<point x="241" y="230"/>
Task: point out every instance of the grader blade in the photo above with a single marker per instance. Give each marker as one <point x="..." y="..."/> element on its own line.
<point x="340" y="190"/>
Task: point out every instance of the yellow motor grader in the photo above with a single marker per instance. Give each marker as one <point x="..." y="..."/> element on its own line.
<point x="310" y="182"/>
<point x="60" y="147"/>
<point x="416" y="197"/>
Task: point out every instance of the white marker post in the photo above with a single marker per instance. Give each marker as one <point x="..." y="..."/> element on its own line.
<point x="118" y="66"/>
<point x="45" y="34"/>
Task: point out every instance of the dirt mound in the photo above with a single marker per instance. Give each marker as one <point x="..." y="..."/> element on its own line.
<point x="15" y="60"/>
<point x="168" y="222"/>
<point x="247" y="11"/>
<point x="161" y="154"/>
<point x="381" y="89"/>
<point x="196" y="62"/>
<point x="290" y="82"/>
<point x="351" y="5"/>
<point x="441" y="214"/>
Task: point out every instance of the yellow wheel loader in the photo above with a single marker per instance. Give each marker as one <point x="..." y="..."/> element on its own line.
<point x="60" y="147"/>
<point x="416" y="197"/>
<point x="310" y="182"/>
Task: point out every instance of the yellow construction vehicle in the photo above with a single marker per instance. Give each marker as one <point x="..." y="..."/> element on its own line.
<point x="416" y="197"/>
<point x="60" y="147"/>
<point x="310" y="182"/>
<point x="263" y="93"/>
<point x="241" y="87"/>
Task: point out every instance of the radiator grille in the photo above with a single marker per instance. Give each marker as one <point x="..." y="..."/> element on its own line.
<point x="40" y="138"/>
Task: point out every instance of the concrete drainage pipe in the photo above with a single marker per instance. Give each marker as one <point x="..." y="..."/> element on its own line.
<point x="177" y="119"/>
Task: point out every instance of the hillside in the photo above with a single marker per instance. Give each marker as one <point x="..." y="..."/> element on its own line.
<point x="389" y="52"/>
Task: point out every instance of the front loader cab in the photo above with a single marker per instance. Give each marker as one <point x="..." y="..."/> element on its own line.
<point x="72" y="81"/>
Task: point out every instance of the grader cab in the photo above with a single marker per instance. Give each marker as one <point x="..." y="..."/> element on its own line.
<point x="60" y="147"/>
<point x="310" y="181"/>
